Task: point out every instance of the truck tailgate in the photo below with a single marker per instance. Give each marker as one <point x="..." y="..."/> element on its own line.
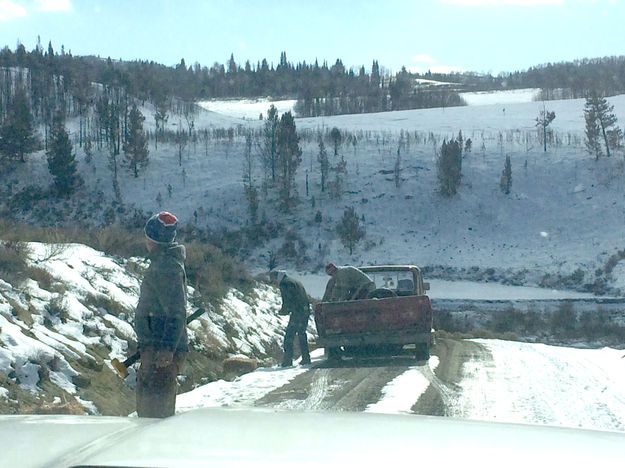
<point x="374" y="315"/>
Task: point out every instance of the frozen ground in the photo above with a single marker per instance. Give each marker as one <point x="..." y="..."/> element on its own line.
<point x="510" y="382"/>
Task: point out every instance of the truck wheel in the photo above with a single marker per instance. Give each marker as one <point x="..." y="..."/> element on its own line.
<point x="422" y="351"/>
<point x="333" y="353"/>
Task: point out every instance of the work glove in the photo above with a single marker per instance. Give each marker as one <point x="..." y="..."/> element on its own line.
<point x="164" y="358"/>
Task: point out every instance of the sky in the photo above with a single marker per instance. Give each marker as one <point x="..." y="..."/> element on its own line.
<point x="484" y="36"/>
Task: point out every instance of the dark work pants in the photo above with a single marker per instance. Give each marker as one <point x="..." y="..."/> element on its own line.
<point x="297" y="326"/>
<point x="156" y="386"/>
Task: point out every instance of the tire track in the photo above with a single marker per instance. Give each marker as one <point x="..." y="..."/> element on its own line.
<point x="442" y="398"/>
<point x="351" y="386"/>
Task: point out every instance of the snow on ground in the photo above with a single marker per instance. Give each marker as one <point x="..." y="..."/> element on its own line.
<point x="524" y="383"/>
<point x="248" y="109"/>
<point x="512" y="96"/>
<point x="90" y="302"/>
<point x="536" y="383"/>
<point x="547" y="224"/>
<point x="398" y="396"/>
<point x="244" y="390"/>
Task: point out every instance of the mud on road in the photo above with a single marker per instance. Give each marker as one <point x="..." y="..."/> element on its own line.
<point x="353" y="384"/>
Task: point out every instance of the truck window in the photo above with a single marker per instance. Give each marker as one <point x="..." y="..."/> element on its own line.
<point x="399" y="281"/>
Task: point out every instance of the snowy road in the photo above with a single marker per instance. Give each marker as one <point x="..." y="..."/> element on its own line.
<point x="490" y="380"/>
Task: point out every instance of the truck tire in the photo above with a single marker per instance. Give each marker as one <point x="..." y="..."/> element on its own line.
<point x="422" y="351"/>
<point x="333" y="353"/>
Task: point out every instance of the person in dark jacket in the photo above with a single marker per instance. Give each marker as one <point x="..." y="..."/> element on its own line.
<point x="160" y="319"/>
<point x="296" y="304"/>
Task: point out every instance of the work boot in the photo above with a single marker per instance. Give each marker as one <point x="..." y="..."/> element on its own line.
<point x="304" y="362"/>
<point x="286" y="364"/>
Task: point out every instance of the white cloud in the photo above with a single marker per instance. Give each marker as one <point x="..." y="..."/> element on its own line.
<point x="54" y="5"/>
<point x="503" y="2"/>
<point x="10" y="10"/>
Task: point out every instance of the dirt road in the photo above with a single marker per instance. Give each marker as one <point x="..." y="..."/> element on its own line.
<point x="353" y="384"/>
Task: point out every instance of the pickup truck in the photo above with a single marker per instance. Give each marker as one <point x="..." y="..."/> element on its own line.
<point x="396" y="313"/>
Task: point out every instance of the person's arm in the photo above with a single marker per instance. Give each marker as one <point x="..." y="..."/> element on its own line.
<point x="287" y="291"/>
<point x="327" y="295"/>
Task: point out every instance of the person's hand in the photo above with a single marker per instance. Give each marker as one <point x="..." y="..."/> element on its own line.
<point x="164" y="358"/>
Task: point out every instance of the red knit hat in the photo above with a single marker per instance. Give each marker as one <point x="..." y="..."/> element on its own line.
<point x="330" y="267"/>
<point x="161" y="228"/>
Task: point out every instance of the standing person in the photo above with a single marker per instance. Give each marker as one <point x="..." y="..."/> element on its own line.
<point x="348" y="283"/>
<point x="296" y="304"/>
<point x="160" y="319"/>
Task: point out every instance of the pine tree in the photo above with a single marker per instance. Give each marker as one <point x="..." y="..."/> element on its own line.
<point x="61" y="160"/>
<point x="17" y="134"/>
<point x="322" y="158"/>
<point x="449" y="165"/>
<point x="593" y="145"/>
<point x="289" y="157"/>
<point x="136" y="144"/>
<point x="337" y="138"/>
<point x="505" y="182"/>
<point x="600" y="124"/>
<point x="349" y="229"/>
<point x="270" y="148"/>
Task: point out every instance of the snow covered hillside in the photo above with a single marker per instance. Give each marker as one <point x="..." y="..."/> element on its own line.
<point x="565" y="211"/>
<point x="71" y="312"/>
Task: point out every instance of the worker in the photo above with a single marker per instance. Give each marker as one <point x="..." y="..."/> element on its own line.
<point x="160" y="319"/>
<point x="295" y="303"/>
<point x="347" y="283"/>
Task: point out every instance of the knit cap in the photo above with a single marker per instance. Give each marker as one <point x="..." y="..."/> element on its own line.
<point x="161" y="228"/>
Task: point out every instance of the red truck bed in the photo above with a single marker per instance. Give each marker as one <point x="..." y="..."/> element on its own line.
<point x="393" y="320"/>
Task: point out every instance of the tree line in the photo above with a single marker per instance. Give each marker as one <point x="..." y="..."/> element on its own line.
<point x="321" y="89"/>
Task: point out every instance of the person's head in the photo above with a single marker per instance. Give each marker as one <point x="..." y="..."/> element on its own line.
<point x="276" y="276"/>
<point x="331" y="269"/>
<point x="160" y="229"/>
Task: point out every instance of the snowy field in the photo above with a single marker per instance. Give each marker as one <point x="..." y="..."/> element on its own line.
<point x="549" y="223"/>
<point x="535" y="383"/>
<point x="247" y="109"/>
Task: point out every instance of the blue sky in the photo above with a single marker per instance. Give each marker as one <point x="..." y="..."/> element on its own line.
<point x="441" y="35"/>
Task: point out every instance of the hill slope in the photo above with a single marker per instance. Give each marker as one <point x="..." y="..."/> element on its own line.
<point x="564" y="213"/>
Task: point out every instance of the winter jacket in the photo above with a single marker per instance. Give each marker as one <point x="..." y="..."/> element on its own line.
<point x="160" y="317"/>
<point x="347" y="284"/>
<point x="294" y="299"/>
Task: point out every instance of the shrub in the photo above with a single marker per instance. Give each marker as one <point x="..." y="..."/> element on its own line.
<point x="56" y="308"/>
<point x="43" y="277"/>
<point x="212" y="272"/>
<point x="563" y="319"/>
<point x="13" y="258"/>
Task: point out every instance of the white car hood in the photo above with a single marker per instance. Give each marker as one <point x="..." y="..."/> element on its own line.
<point x="259" y="438"/>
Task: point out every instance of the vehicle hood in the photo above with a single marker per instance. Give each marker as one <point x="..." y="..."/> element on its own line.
<point x="259" y="438"/>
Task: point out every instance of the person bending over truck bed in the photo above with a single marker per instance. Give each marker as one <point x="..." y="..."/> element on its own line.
<point x="348" y="283"/>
